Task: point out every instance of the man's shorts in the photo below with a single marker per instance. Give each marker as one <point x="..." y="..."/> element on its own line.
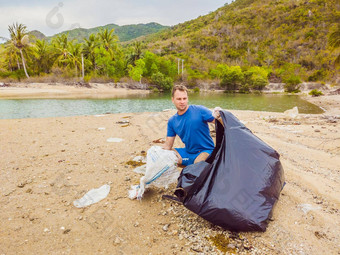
<point x="189" y="158"/>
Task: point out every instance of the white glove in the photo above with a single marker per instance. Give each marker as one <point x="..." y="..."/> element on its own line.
<point x="216" y="112"/>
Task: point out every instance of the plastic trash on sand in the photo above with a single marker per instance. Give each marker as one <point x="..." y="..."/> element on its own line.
<point x="114" y="140"/>
<point x="292" y="113"/>
<point x="308" y="207"/>
<point x="161" y="170"/>
<point x="93" y="196"/>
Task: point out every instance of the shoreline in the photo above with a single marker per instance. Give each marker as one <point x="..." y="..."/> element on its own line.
<point x="62" y="91"/>
<point x="36" y="90"/>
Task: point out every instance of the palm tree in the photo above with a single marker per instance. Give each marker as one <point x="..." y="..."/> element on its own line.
<point x="61" y="46"/>
<point x="334" y="42"/>
<point x="89" y="49"/>
<point x="42" y="56"/>
<point x="12" y="56"/>
<point x="19" y="39"/>
<point x="137" y="51"/>
<point x="75" y="50"/>
<point x="108" y="40"/>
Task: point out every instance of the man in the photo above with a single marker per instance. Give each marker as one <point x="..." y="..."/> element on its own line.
<point x="190" y="123"/>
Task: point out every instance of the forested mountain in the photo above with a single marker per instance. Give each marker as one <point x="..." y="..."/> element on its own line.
<point x="241" y="46"/>
<point x="124" y="33"/>
<point x="37" y="35"/>
<point x="284" y="35"/>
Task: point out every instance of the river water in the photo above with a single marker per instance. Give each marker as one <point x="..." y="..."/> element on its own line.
<point x="41" y="108"/>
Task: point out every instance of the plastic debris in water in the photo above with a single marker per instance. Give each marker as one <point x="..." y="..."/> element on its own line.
<point x="93" y="196"/>
<point x="114" y="140"/>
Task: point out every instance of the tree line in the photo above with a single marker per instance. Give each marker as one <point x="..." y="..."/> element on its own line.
<point x="104" y="57"/>
<point x="102" y="54"/>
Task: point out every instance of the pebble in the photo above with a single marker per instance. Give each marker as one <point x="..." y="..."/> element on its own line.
<point x="66" y="231"/>
<point x="21" y="184"/>
<point x="196" y="233"/>
<point x="166" y="227"/>
<point x="9" y="192"/>
<point x="117" y="240"/>
<point x="231" y="246"/>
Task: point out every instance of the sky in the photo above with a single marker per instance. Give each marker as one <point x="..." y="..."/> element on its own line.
<point x="51" y="17"/>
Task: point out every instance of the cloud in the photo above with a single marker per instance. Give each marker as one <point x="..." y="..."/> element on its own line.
<point x="32" y="17"/>
<point x="51" y="17"/>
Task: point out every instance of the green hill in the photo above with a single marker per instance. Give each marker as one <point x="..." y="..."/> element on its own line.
<point x="37" y="34"/>
<point x="284" y="35"/>
<point x="124" y="33"/>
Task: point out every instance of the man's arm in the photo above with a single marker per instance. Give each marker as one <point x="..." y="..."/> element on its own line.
<point x="219" y="119"/>
<point x="169" y="142"/>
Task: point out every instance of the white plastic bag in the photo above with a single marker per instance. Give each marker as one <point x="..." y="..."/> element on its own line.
<point x="161" y="170"/>
<point x="292" y="113"/>
<point x="93" y="196"/>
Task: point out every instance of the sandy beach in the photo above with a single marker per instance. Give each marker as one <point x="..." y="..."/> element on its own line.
<point x="48" y="163"/>
<point x="60" y="90"/>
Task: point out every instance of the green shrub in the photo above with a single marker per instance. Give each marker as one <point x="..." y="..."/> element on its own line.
<point x="87" y="78"/>
<point x="292" y="83"/>
<point x="257" y="92"/>
<point x="259" y="82"/>
<point x="18" y="74"/>
<point x="155" y="90"/>
<point x="231" y="77"/>
<point x="196" y="90"/>
<point x="4" y="74"/>
<point x="315" y="93"/>
<point x="163" y="82"/>
<point x="244" y="88"/>
<point x="256" y="77"/>
<point x="318" y="75"/>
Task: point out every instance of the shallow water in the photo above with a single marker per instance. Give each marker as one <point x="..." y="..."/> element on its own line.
<point x="41" y="108"/>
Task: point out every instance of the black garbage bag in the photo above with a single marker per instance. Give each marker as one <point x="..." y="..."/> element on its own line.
<point x="240" y="182"/>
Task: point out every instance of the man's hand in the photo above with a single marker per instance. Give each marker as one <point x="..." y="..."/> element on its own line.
<point x="216" y="112"/>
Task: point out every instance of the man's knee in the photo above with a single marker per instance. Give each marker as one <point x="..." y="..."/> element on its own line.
<point x="203" y="156"/>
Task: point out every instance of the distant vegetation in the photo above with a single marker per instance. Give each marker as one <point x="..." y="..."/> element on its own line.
<point x="292" y="40"/>
<point x="104" y="59"/>
<point x="124" y="33"/>
<point x="241" y="46"/>
<point x="315" y="93"/>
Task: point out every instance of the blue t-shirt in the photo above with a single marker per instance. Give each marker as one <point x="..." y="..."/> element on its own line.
<point x="192" y="127"/>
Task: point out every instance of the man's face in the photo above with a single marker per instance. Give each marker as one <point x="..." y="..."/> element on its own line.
<point x="180" y="100"/>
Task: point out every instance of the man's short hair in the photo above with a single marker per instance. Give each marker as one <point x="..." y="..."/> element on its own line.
<point x="178" y="87"/>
